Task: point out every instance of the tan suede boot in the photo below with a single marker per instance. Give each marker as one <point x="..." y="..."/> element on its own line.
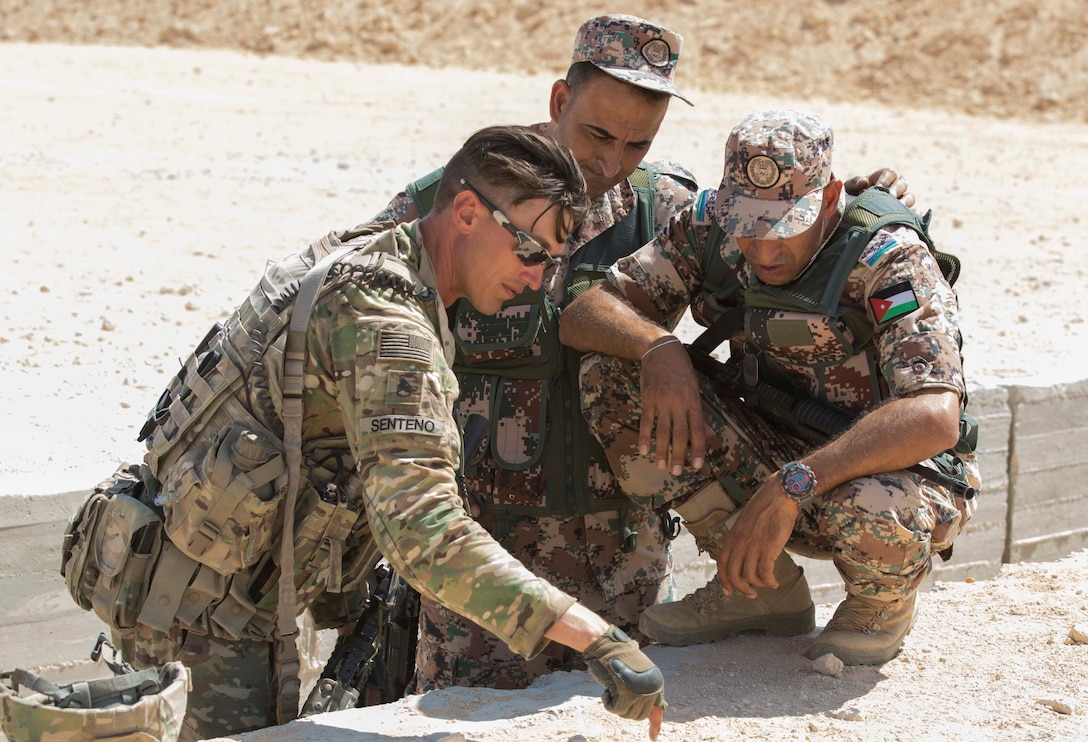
<point x="865" y="631"/>
<point x="708" y="614"/>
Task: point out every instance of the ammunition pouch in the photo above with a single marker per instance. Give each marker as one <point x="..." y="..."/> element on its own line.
<point x="114" y="553"/>
<point x="221" y="500"/>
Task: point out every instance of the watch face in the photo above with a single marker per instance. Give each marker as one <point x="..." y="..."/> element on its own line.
<point x="797" y="482"/>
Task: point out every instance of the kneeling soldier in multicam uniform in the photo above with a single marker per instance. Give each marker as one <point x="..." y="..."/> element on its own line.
<point x="182" y="556"/>
<point x="815" y="299"/>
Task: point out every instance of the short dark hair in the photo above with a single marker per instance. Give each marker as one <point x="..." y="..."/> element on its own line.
<point x="516" y="164"/>
<point x="581" y="73"/>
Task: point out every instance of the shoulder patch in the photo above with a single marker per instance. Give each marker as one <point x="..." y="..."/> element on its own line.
<point x="878" y="248"/>
<point x="893" y="302"/>
<point x="403" y="387"/>
<point x="397" y="345"/>
<point x="699" y="213"/>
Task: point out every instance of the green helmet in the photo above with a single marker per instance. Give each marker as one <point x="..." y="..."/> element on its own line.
<point x="146" y="706"/>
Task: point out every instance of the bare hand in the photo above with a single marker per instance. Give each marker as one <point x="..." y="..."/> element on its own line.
<point x="672" y="411"/>
<point x="656" y="715"/>
<point x="755" y="540"/>
<point x="883" y="177"/>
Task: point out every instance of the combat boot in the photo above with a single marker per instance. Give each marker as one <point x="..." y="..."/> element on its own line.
<point x="865" y="631"/>
<point x="708" y="614"/>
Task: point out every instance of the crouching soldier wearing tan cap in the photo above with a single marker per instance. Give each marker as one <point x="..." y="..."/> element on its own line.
<point x="830" y="301"/>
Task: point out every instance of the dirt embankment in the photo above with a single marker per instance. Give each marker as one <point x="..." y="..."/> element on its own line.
<point x="1002" y="58"/>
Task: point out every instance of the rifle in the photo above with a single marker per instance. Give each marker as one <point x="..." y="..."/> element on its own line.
<point x="355" y="674"/>
<point x="816" y="422"/>
<point x="376" y="662"/>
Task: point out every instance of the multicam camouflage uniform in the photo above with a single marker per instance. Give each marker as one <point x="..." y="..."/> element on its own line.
<point x="120" y="708"/>
<point x="538" y="504"/>
<point x="378" y="401"/>
<point x="881" y="530"/>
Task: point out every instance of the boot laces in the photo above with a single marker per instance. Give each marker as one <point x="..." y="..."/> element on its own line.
<point x="707" y="596"/>
<point x="859" y="614"/>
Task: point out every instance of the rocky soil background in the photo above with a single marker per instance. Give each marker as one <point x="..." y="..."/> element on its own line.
<point x="1004" y="58"/>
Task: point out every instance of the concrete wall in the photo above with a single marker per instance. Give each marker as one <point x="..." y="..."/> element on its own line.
<point x="1048" y="472"/>
<point x="1034" y="507"/>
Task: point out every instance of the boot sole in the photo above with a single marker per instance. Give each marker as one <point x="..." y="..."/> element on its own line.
<point x="785" y="624"/>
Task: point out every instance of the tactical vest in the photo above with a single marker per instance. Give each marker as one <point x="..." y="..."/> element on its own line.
<point x="197" y="534"/>
<point x="514" y="361"/>
<point x="780" y="322"/>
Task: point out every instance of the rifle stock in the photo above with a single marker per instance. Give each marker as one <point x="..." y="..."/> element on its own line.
<point x="356" y="673"/>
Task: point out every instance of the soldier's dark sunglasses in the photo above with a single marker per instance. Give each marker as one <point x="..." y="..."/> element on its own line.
<point x="528" y="250"/>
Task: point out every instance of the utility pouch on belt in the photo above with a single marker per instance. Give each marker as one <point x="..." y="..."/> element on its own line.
<point x="111" y="543"/>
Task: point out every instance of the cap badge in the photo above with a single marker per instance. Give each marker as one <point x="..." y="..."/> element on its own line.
<point x="762" y="171"/>
<point x="656" y="52"/>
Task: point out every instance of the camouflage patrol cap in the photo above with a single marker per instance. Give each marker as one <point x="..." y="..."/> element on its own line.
<point x="777" y="164"/>
<point x="631" y="49"/>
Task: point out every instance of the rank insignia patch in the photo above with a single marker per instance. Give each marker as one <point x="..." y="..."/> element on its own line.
<point x="893" y="301"/>
<point x="403" y="387"/>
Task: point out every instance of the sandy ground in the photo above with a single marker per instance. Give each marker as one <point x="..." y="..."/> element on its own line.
<point x="142" y="189"/>
<point x="986" y="661"/>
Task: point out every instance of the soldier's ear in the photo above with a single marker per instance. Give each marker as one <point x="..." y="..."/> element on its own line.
<point x="832" y="192"/>
<point x="466" y="211"/>
<point x="559" y="99"/>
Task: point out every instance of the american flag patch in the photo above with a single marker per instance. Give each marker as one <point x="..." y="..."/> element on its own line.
<point x="405" y="345"/>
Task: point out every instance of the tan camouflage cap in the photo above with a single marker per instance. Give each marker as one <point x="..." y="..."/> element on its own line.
<point x="776" y="166"/>
<point x="631" y="49"/>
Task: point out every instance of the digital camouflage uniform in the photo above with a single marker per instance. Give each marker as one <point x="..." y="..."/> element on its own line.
<point x="583" y="554"/>
<point x="880" y="530"/>
<point x="378" y="401"/>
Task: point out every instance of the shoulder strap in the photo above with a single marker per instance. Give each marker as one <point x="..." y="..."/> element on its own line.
<point x="876" y="208"/>
<point x="642" y="180"/>
<point x="719" y="282"/>
<point x="288" y="685"/>
<point x="423" y="191"/>
<point x="591" y="260"/>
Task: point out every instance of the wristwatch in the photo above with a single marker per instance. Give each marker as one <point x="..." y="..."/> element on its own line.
<point x="799" y="483"/>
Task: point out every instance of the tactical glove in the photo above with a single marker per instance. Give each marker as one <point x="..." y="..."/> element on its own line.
<point x="633" y="685"/>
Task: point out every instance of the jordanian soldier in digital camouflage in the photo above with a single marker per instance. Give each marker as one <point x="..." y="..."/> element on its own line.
<point x="541" y="484"/>
<point x="833" y="303"/>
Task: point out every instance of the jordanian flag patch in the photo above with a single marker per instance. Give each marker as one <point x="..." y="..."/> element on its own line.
<point x="893" y="302"/>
